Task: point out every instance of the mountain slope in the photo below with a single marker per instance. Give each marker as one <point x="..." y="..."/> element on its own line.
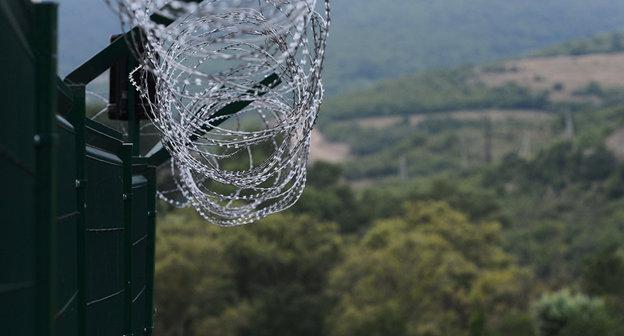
<point x="456" y="120"/>
<point x="602" y="43"/>
<point x="375" y="39"/>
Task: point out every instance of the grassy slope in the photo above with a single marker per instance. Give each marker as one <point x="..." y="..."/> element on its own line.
<point x="443" y="90"/>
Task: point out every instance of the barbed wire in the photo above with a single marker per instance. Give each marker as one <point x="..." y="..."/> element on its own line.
<point x="234" y="89"/>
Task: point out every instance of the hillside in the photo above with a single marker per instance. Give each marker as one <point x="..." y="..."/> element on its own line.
<point x="460" y="120"/>
<point x="566" y="78"/>
<point x="531" y="82"/>
<point x="373" y="39"/>
<point x="600" y="44"/>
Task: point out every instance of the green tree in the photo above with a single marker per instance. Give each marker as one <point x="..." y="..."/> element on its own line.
<point x="566" y="314"/>
<point x="192" y="282"/>
<point x="264" y="279"/>
<point x="603" y="275"/>
<point x="327" y="199"/>
<point x="424" y="274"/>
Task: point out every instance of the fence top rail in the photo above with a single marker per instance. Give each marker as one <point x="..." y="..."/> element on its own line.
<point x="118" y="49"/>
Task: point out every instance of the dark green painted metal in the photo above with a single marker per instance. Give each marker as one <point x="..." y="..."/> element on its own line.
<point x="105" y="232"/>
<point x="79" y="110"/>
<point x="17" y="167"/>
<point x="44" y="43"/>
<point x="139" y="236"/>
<point x="65" y="98"/>
<point x="99" y="136"/>
<point x="99" y="63"/>
<point x="89" y="218"/>
<point x="126" y="157"/>
<point x="103" y="129"/>
<point x="67" y="233"/>
<point x="150" y="249"/>
<point x="70" y="223"/>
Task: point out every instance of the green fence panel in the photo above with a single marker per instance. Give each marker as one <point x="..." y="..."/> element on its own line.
<point x="138" y="240"/>
<point x="17" y="165"/>
<point x="67" y="231"/>
<point x="27" y="163"/>
<point x="77" y="249"/>
<point x="104" y="216"/>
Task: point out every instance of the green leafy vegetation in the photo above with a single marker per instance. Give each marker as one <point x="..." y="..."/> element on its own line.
<point x="265" y="280"/>
<point x="430" y="92"/>
<point x="564" y="313"/>
<point x="459" y="275"/>
<point x="472" y="255"/>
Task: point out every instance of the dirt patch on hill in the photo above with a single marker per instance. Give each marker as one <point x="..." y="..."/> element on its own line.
<point x="496" y="115"/>
<point x="561" y="74"/>
<point x="378" y="122"/>
<point x="464" y="115"/>
<point x="322" y="149"/>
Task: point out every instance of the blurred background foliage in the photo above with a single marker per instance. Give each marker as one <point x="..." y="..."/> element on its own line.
<point x="477" y="183"/>
<point x="480" y="200"/>
<point x="448" y="256"/>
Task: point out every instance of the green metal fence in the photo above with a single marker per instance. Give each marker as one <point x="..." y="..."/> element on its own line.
<point x="27" y="167"/>
<point x="78" y="229"/>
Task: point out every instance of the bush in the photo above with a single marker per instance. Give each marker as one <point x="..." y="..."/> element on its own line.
<point x="566" y="314"/>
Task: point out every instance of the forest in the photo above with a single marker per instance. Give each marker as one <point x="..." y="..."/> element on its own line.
<point x="476" y="209"/>
<point x="518" y="249"/>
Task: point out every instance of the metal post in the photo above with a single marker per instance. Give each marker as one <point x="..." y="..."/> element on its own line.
<point x="150" y="246"/>
<point x="45" y="45"/>
<point x="126" y="156"/>
<point x="78" y="121"/>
